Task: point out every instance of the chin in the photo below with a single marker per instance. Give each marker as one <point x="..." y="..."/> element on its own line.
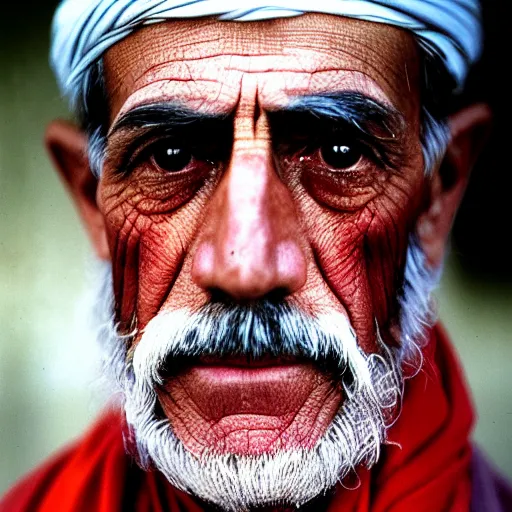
<point x="279" y="474"/>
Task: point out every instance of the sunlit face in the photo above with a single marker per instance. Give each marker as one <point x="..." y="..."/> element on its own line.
<point x="276" y="161"/>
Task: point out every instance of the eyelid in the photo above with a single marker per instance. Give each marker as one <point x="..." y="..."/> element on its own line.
<point x="378" y="152"/>
<point x="211" y="147"/>
<point x="380" y="149"/>
<point x="145" y="151"/>
<point x="381" y="143"/>
<point x="377" y="155"/>
<point x="131" y="152"/>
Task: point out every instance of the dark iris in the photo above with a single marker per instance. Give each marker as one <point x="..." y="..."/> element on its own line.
<point x="341" y="156"/>
<point x="170" y="157"/>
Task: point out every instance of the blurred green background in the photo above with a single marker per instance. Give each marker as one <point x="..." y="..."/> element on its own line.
<point x="47" y="359"/>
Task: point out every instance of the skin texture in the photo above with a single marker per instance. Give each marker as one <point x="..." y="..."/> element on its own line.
<point x="252" y="227"/>
<point x="263" y="219"/>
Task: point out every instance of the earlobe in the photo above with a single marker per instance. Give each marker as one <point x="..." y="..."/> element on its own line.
<point x="469" y="131"/>
<point x="67" y="146"/>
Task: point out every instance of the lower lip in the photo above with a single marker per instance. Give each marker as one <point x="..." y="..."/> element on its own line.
<point x="237" y="403"/>
<point x="274" y="390"/>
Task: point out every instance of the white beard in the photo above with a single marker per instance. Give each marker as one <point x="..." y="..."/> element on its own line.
<point x="371" y="402"/>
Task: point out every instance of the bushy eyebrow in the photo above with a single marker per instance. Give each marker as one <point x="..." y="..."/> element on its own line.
<point x="367" y="115"/>
<point x="364" y="113"/>
<point x="309" y="116"/>
<point x="167" y="115"/>
<point x="144" y="123"/>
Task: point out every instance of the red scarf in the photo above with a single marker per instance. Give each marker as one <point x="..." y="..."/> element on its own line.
<point x="427" y="470"/>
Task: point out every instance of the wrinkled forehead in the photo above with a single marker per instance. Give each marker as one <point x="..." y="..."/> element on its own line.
<point x="209" y="65"/>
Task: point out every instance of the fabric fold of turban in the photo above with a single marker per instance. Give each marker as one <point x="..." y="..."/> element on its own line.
<point x="84" y="29"/>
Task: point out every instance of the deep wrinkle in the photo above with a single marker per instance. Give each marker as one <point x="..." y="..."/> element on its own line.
<point x="252" y="224"/>
<point x="160" y="183"/>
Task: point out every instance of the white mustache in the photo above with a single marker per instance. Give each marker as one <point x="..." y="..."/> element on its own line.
<point x="267" y="329"/>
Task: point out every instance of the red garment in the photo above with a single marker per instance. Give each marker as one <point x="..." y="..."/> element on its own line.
<point x="427" y="470"/>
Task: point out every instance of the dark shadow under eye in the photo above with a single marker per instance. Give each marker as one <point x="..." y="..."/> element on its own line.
<point x="341" y="155"/>
<point x="170" y="156"/>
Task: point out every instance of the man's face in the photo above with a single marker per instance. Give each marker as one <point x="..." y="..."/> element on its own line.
<point x="277" y="164"/>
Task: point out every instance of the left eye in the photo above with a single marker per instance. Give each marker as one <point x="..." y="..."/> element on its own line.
<point x="341" y="156"/>
<point x="170" y="157"/>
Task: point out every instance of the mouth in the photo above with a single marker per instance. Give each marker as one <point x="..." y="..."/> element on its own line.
<point x="249" y="407"/>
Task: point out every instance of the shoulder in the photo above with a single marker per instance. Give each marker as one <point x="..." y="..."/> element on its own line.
<point x="66" y="481"/>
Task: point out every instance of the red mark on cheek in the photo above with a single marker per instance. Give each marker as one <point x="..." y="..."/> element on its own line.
<point x="161" y="258"/>
<point x="362" y="262"/>
<point x="124" y="245"/>
<point x="150" y="223"/>
<point x="386" y="247"/>
<point x="339" y="256"/>
<point x="147" y="255"/>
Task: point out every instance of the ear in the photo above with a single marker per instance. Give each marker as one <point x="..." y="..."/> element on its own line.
<point x="67" y="146"/>
<point x="469" y="131"/>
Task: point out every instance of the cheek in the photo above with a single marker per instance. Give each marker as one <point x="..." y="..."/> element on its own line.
<point x="148" y="246"/>
<point x="361" y="256"/>
<point x="387" y="237"/>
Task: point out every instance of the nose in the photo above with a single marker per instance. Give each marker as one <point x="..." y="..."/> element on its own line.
<point x="250" y="244"/>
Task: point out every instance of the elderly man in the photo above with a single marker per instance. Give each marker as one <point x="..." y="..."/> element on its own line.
<point x="270" y="188"/>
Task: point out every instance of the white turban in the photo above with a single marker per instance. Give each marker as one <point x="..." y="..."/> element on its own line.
<point x="84" y="29"/>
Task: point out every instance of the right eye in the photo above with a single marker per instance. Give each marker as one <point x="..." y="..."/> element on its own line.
<point x="341" y="156"/>
<point x="169" y="156"/>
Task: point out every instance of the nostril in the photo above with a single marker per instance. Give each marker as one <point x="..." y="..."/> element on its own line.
<point x="218" y="295"/>
<point x="275" y="296"/>
<point x="278" y="295"/>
